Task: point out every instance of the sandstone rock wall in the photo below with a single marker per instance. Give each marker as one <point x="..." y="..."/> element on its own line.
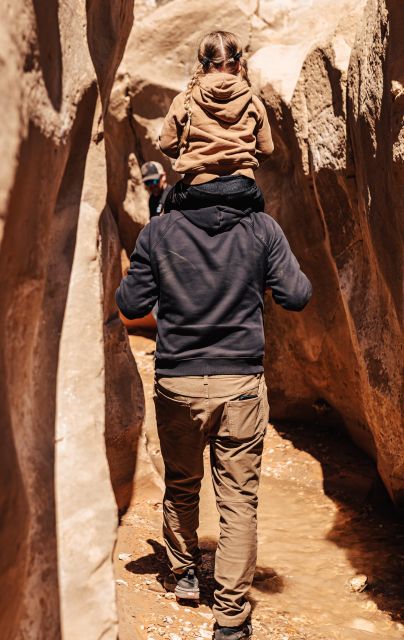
<point x="58" y="513"/>
<point x="333" y="188"/>
<point x="330" y="75"/>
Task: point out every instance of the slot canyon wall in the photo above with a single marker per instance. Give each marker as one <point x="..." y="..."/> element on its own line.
<point x="70" y="396"/>
<point x="331" y="76"/>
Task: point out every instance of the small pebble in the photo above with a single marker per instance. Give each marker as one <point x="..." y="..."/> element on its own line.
<point x="358" y="583"/>
<point x="363" y="625"/>
<point x="122" y="582"/>
<point x="168" y="620"/>
<point x="125" y="556"/>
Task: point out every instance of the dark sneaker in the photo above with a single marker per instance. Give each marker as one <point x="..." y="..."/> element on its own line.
<point x="184" y="585"/>
<point x="243" y="632"/>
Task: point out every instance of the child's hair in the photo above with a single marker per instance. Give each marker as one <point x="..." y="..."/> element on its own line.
<point x="218" y="48"/>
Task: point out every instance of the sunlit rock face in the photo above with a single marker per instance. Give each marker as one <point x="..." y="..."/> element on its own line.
<point x="334" y="186"/>
<point x="331" y="76"/>
<point x="60" y="340"/>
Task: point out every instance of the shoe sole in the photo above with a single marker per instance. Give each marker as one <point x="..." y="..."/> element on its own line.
<point x="185" y="594"/>
<point x="244" y="637"/>
<point x="215" y="637"/>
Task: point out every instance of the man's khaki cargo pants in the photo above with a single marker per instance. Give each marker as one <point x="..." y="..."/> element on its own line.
<point x="192" y="411"/>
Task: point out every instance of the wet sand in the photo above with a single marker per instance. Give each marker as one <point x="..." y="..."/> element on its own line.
<point x="323" y="519"/>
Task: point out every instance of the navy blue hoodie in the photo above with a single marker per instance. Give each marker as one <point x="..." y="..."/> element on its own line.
<point x="208" y="268"/>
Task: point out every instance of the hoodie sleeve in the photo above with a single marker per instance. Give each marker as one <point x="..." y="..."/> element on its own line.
<point x="263" y="133"/>
<point x="172" y="127"/>
<point x="138" y="292"/>
<point x="290" y="287"/>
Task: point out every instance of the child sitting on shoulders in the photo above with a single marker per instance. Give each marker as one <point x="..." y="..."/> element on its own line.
<point x="215" y="129"/>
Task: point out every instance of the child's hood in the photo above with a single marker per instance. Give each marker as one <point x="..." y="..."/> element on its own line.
<point x="222" y="95"/>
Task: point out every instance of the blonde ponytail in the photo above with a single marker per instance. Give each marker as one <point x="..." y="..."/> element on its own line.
<point x="188" y="107"/>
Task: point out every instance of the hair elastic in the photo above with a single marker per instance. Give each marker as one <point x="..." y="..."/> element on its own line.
<point x="236" y="57"/>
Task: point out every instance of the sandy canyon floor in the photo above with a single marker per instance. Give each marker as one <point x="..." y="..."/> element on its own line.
<point x="323" y="520"/>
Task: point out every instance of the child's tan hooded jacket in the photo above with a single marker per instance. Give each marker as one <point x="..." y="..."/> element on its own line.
<point x="229" y="125"/>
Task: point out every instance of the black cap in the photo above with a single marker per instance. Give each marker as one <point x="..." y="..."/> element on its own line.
<point x="152" y="171"/>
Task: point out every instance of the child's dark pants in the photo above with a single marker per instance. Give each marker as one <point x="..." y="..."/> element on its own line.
<point x="235" y="191"/>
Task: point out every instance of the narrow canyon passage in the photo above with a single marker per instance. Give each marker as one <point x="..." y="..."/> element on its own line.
<point x="323" y="519"/>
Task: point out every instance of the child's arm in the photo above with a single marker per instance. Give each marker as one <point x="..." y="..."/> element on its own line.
<point x="172" y="127"/>
<point x="264" y="144"/>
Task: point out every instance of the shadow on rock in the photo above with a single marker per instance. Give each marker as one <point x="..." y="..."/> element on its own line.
<point x="366" y="525"/>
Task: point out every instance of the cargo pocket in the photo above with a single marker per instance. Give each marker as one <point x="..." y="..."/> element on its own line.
<point x="171" y="410"/>
<point x="245" y="418"/>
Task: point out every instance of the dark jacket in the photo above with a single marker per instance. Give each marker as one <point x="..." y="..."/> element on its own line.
<point x="208" y="269"/>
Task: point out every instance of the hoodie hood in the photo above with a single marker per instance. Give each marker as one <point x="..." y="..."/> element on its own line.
<point x="217" y="205"/>
<point x="222" y="95"/>
<point x="214" y="219"/>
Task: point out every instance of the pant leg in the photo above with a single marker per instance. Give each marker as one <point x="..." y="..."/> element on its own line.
<point x="182" y="441"/>
<point x="236" y="453"/>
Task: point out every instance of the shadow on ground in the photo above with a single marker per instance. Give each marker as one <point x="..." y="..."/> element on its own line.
<point x="366" y="524"/>
<point x="265" y="578"/>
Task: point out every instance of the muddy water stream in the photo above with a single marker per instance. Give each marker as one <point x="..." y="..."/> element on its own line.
<point x="323" y="519"/>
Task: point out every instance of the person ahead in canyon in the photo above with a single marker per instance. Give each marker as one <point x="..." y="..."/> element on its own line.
<point x="208" y="264"/>
<point x="217" y="130"/>
<point x="155" y="180"/>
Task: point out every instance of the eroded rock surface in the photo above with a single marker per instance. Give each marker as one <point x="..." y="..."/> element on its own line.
<point x="58" y="512"/>
<point x="331" y="75"/>
<point x="333" y="186"/>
